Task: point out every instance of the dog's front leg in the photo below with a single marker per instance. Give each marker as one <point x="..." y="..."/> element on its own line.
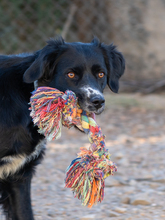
<point x="20" y="200"/>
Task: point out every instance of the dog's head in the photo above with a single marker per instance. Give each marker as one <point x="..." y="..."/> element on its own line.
<point x="84" y="68"/>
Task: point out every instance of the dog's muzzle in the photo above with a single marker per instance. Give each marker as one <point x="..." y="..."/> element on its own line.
<point x="91" y="100"/>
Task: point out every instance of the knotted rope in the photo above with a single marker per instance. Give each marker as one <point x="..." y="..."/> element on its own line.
<point x="50" y="109"/>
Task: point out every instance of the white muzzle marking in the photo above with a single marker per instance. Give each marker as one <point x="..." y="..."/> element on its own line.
<point x="90" y="91"/>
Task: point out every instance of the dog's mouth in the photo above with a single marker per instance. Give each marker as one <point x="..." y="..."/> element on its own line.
<point x="91" y="108"/>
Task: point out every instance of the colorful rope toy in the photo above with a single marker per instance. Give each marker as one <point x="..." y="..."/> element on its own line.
<point x="50" y="109"/>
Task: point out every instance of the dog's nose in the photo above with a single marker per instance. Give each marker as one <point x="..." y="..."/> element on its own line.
<point x="97" y="101"/>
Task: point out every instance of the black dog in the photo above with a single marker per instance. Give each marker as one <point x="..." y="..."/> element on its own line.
<point x="84" y="68"/>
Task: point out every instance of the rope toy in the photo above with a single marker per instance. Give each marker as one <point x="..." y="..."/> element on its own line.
<point x="50" y="109"/>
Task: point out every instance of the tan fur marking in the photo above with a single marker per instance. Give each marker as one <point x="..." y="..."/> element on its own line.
<point x="15" y="163"/>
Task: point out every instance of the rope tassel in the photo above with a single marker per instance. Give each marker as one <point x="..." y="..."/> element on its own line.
<point x="50" y="109"/>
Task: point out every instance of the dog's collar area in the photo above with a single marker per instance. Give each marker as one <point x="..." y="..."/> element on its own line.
<point x="35" y="84"/>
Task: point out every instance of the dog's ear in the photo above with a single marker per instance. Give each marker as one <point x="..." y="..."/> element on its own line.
<point x="115" y="64"/>
<point x="44" y="64"/>
<point x="35" y="71"/>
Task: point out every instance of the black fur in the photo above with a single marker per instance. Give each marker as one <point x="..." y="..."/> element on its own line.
<point x="50" y="67"/>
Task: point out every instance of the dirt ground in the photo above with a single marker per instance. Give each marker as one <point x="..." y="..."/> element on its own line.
<point x="134" y="126"/>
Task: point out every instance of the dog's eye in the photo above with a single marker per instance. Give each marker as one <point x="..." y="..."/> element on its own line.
<point x="71" y="75"/>
<point x="101" y="75"/>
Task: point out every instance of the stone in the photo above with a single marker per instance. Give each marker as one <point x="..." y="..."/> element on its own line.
<point x="51" y="213"/>
<point x="145" y="177"/>
<point x="88" y="217"/>
<point x="132" y="182"/>
<point x="113" y="214"/>
<point x="154" y="185"/>
<point x="140" y="199"/>
<point x="110" y="182"/>
<point x="124" y="162"/>
<point x="120" y="210"/>
<point x="160" y="180"/>
<point x="119" y="155"/>
<point x="125" y="200"/>
<point x="161" y="188"/>
<point x="121" y="180"/>
<point x="130" y="190"/>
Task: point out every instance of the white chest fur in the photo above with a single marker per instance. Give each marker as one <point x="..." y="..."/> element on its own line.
<point x="12" y="164"/>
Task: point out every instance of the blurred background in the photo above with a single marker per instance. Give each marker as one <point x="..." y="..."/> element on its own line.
<point x="136" y="27"/>
<point x="133" y="121"/>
